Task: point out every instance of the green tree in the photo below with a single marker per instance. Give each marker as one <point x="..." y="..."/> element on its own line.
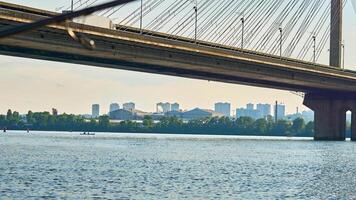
<point x="282" y="127"/>
<point x="261" y="126"/>
<point x="2" y="121"/>
<point x="16" y="119"/>
<point x="9" y="115"/>
<point x="298" y="126"/>
<point x="29" y="117"/>
<point x="148" y="122"/>
<point x="309" y="129"/>
<point x="104" y="121"/>
<point x="245" y="125"/>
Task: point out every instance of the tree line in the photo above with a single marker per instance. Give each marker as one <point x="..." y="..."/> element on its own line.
<point x="45" y="121"/>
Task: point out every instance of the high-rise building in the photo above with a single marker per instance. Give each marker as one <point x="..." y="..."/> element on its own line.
<point x="243" y="112"/>
<point x="95" y="110"/>
<point x="223" y="108"/>
<point x="175" y="107"/>
<point x="129" y="106"/>
<point x="308" y="115"/>
<point x="264" y="110"/>
<point x="250" y="106"/>
<point x="280" y="111"/>
<point x="163" y="107"/>
<point x="114" y="107"/>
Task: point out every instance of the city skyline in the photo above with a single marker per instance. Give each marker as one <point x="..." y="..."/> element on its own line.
<point x="28" y="84"/>
<point x="265" y="109"/>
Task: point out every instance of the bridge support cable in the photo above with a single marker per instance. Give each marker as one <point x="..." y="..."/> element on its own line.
<point x="60" y="18"/>
<point x="261" y="22"/>
<point x="287" y="24"/>
<point x="230" y="34"/>
<point x="182" y="14"/>
<point x="74" y="4"/>
<point x="212" y="27"/>
<point x="305" y="24"/>
<point x="251" y="24"/>
<point x="207" y="19"/>
<point x="219" y="23"/>
<point x="134" y="17"/>
<point x="228" y="21"/>
<point x="163" y="18"/>
<point x="190" y="21"/>
<point x="192" y="25"/>
<point x="234" y="13"/>
<point x="135" y="14"/>
<point x="316" y="32"/>
<point x="288" y="27"/>
<point x="146" y="11"/>
<point x="271" y="30"/>
<point x="323" y="34"/>
<point x="249" y="21"/>
<point x="187" y="19"/>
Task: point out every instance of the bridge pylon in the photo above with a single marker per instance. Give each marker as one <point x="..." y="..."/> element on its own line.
<point x="336" y="33"/>
<point x="329" y="107"/>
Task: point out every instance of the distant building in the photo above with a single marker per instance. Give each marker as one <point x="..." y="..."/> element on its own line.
<point x="129" y="106"/>
<point x="280" y="111"/>
<point x="308" y="115"/>
<point x="250" y="106"/>
<point x="242" y="112"/>
<point x="95" y="110"/>
<point x="174" y="113"/>
<point x="175" y="107"/>
<point x="249" y="111"/>
<point x="113" y="107"/>
<point x="163" y="107"/>
<point x="123" y="114"/>
<point x="200" y="114"/>
<point x="223" y="108"/>
<point x="264" y="110"/>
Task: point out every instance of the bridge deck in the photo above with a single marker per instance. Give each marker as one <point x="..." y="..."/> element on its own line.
<point x="157" y="53"/>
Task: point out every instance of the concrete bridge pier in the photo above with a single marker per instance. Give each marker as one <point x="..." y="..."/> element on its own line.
<point x="330" y="115"/>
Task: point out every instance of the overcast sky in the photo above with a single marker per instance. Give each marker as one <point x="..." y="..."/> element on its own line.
<point x="27" y="84"/>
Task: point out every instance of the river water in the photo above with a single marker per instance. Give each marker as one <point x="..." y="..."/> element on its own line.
<point x="43" y="165"/>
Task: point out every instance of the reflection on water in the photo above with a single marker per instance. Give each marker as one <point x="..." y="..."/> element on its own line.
<point x="134" y="166"/>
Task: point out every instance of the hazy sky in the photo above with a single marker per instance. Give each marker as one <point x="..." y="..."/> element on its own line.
<point x="27" y="84"/>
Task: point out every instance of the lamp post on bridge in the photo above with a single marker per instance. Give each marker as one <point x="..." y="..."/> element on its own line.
<point x="314" y="49"/>
<point x="343" y="54"/>
<point x="196" y="21"/>
<point x="141" y="17"/>
<point x="280" y="41"/>
<point x="72" y="6"/>
<point x="242" y="32"/>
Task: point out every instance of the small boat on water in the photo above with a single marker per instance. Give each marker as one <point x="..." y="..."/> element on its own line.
<point x="87" y="133"/>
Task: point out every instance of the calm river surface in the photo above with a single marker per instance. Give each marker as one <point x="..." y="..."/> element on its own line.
<point x="136" y="166"/>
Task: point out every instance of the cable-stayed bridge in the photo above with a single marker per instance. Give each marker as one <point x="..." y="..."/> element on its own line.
<point x="275" y="44"/>
<point x="299" y="27"/>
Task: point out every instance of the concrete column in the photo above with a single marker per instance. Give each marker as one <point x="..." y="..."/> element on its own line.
<point x="336" y="33"/>
<point x="329" y="118"/>
<point x="353" y="127"/>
